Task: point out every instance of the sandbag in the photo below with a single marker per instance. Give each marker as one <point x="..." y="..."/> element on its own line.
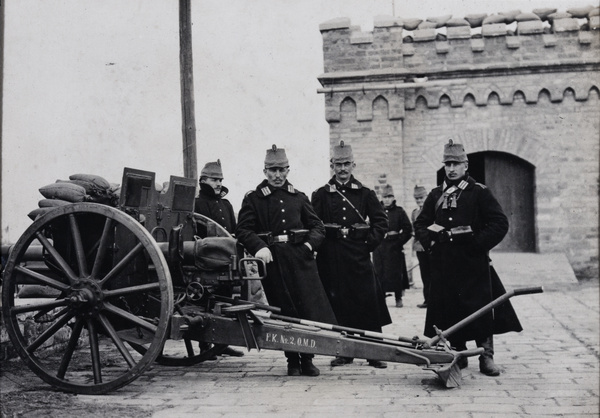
<point x="98" y="181"/>
<point x="88" y="186"/>
<point x="64" y="191"/>
<point x="98" y="189"/>
<point x="52" y="203"/>
<point x="33" y="215"/>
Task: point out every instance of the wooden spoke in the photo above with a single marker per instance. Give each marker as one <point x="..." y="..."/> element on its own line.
<point x="117" y="340"/>
<point x="40" y="278"/>
<point x="95" y="351"/>
<point x="57" y="257"/>
<point x="132" y="289"/>
<point x="122" y="264"/>
<point x="70" y="348"/>
<point x="44" y="336"/>
<point x="38" y="306"/>
<point x="105" y="239"/>
<point x="130" y="317"/>
<point x="79" y="251"/>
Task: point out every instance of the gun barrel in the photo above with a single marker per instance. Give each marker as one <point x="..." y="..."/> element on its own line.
<point x="33" y="253"/>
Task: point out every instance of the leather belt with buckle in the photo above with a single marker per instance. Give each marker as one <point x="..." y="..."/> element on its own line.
<point x="280" y="238"/>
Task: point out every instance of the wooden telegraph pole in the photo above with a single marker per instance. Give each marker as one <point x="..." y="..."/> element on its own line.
<point x="190" y="161"/>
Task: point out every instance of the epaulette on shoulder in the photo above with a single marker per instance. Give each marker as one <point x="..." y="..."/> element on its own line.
<point x="483" y="186"/>
<point x="249" y="193"/>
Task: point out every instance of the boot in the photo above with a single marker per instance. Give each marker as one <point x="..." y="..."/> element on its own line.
<point x="399" y="303"/>
<point x="340" y="361"/>
<point x="486" y="360"/>
<point x="308" y="368"/>
<point x="204" y="348"/>
<point x="377" y="364"/>
<point x="293" y="365"/>
<point x="230" y="351"/>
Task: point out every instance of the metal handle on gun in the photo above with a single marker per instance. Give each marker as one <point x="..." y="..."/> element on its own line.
<point x="482" y="311"/>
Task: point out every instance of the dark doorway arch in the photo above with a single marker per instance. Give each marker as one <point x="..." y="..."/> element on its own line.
<point x="512" y="180"/>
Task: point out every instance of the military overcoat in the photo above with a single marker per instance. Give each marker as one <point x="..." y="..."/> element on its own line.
<point x="292" y="281"/>
<point x="462" y="280"/>
<point x="215" y="206"/>
<point x="344" y="262"/>
<point x="388" y="257"/>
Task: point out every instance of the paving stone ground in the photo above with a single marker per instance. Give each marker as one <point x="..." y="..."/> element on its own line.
<point x="550" y="369"/>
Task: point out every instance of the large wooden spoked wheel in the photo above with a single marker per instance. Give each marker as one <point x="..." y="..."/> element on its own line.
<point x="111" y="287"/>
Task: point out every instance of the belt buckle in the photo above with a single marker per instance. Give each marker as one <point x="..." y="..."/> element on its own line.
<point x="280" y="238"/>
<point x="344" y="232"/>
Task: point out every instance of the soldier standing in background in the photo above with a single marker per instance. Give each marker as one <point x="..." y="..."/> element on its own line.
<point x="355" y="224"/>
<point x="211" y="203"/>
<point x="388" y="257"/>
<point x="422" y="256"/>
<point x="211" y="200"/>
<point x="460" y="223"/>
<point x="278" y="224"/>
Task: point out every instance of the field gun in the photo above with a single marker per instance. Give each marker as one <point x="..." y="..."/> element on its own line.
<point x="128" y="285"/>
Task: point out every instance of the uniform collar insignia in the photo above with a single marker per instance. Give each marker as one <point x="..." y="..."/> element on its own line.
<point x="463" y="185"/>
<point x="333" y="184"/>
<point x="265" y="189"/>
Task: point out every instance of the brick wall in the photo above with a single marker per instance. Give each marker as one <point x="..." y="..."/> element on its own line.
<point x="532" y="93"/>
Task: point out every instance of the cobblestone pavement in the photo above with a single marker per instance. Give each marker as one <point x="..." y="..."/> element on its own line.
<point x="549" y="369"/>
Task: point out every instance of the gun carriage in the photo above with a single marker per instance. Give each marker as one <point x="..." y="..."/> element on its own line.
<point x="132" y="283"/>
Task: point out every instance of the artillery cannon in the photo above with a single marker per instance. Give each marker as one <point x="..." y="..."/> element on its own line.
<point x="128" y="280"/>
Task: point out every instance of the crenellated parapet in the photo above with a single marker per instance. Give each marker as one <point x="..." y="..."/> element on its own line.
<point x="475" y="57"/>
<point x="477" y="43"/>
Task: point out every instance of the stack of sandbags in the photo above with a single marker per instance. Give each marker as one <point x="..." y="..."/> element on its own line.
<point x="79" y="188"/>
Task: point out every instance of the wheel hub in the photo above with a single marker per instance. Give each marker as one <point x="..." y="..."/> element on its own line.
<point x="86" y="296"/>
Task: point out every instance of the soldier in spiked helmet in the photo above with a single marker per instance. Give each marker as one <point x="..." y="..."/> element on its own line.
<point x="278" y="224"/>
<point x="355" y="224"/>
<point x="211" y="203"/>
<point x="460" y="223"/>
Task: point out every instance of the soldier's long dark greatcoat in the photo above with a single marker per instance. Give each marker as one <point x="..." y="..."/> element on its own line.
<point x="292" y="281"/>
<point x="388" y="257"/>
<point x="462" y="279"/>
<point x="215" y="206"/>
<point x="344" y="263"/>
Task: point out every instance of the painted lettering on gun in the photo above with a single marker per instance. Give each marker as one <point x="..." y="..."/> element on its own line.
<point x="290" y="340"/>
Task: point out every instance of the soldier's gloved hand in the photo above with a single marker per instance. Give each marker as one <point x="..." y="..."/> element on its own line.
<point x="264" y="254"/>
